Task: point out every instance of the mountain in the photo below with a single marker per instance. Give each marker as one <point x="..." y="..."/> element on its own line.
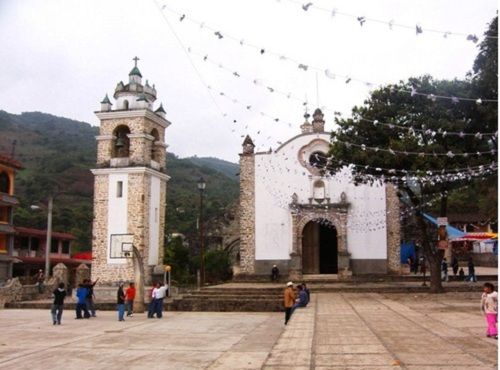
<point x="228" y="168"/>
<point x="57" y="154"/>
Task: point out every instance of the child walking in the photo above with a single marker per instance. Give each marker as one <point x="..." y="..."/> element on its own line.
<point x="58" y="305"/>
<point x="489" y="306"/>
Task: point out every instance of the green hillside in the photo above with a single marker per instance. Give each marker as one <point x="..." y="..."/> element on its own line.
<point x="57" y="154"/>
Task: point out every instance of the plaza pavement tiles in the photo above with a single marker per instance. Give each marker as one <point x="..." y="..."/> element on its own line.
<point x="362" y="331"/>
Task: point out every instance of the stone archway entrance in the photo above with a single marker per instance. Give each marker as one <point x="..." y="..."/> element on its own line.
<point x="319" y="248"/>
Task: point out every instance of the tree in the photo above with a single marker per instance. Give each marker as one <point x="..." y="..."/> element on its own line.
<point x="407" y="135"/>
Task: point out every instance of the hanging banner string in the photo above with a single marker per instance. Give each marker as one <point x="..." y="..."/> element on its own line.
<point x="443" y="171"/>
<point x="306" y="67"/>
<point x="410" y="129"/>
<point x="391" y="24"/>
<point x="449" y="154"/>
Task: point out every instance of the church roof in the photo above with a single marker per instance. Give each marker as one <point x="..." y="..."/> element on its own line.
<point x="248" y="141"/>
<point x="106" y="100"/>
<point x="160" y="109"/>
<point x="135" y="72"/>
<point x="10" y="162"/>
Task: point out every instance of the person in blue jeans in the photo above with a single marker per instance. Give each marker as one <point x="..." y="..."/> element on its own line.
<point x="302" y="300"/>
<point x="120" y="301"/>
<point x="81" y="304"/>
<point x="472" y="271"/>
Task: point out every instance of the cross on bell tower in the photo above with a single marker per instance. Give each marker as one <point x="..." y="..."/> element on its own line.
<point x="135" y="59"/>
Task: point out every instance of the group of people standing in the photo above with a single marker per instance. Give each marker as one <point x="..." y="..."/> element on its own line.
<point x="295" y="299"/>
<point x="125" y="300"/>
<point x="158" y="294"/>
<point x="419" y="265"/>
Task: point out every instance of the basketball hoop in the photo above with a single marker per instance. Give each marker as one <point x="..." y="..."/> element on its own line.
<point x="121" y="246"/>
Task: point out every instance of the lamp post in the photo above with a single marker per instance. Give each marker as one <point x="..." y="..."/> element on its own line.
<point x="201" y="187"/>
<point x="49" y="235"/>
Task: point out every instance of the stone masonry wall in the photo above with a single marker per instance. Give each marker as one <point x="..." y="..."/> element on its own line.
<point x="247" y="213"/>
<point x="139" y="147"/>
<point x="393" y="230"/>
<point x="100" y="230"/>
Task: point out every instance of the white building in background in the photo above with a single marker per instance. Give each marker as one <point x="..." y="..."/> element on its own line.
<point x="307" y="222"/>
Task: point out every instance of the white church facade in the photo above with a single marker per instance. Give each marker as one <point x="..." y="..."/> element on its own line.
<point x="306" y="221"/>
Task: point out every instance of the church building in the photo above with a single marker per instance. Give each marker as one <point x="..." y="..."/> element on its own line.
<point x="308" y="222"/>
<point x="130" y="184"/>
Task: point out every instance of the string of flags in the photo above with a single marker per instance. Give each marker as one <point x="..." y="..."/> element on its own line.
<point x="357" y="118"/>
<point x="308" y="67"/>
<point x="390" y="24"/>
<point x="442" y="171"/>
<point x="449" y="154"/>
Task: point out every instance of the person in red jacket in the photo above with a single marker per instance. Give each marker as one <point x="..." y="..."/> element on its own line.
<point x="129" y="299"/>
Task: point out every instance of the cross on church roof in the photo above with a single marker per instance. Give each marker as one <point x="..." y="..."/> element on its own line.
<point x="135" y="59"/>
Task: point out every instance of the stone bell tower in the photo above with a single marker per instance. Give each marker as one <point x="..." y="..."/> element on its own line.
<point x="130" y="183"/>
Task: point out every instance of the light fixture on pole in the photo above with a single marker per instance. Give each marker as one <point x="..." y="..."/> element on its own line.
<point x="48" y="244"/>
<point x="201" y="187"/>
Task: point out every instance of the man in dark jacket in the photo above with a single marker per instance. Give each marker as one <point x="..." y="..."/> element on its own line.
<point x="57" y="306"/>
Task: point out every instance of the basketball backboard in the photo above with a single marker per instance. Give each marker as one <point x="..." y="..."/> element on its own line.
<point x="121" y="246"/>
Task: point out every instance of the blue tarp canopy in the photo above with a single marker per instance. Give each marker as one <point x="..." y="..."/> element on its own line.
<point x="407" y="250"/>
<point x="453" y="232"/>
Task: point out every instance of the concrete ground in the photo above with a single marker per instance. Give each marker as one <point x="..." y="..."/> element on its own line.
<point x="336" y="331"/>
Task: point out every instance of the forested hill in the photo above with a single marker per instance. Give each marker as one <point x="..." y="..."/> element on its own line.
<point x="57" y="153"/>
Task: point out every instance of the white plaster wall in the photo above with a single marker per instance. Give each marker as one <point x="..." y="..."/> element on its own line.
<point x="117" y="212"/>
<point x="278" y="175"/>
<point x="154" y="221"/>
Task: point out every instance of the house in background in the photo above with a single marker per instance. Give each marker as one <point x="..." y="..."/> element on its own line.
<point x="29" y="249"/>
<point x="8" y="168"/>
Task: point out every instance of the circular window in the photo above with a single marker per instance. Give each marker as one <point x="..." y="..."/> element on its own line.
<point x="318" y="160"/>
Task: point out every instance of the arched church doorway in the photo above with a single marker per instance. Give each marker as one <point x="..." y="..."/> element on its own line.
<point x="319" y="248"/>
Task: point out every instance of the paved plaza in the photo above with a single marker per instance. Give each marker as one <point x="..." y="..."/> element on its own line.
<point x="336" y="331"/>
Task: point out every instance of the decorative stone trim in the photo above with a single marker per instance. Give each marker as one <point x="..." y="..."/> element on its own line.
<point x="247" y="213"/>
<point x="141" y="136"/>
<point x="105" y="137"/>
<point x="133" y="113"/>
<point x="393" y="230"/>
<point x="302" y="214"/>
<point x="129" y="170"/>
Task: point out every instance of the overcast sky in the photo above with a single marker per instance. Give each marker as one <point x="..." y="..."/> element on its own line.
<point x="63" y="56"/>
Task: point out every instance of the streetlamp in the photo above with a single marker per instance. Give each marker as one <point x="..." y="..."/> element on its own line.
<point x="49" y="235"/>
<point x="201" y="187"/>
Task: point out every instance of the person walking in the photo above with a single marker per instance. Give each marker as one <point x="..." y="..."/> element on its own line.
<point x="472" y="271"/>
<point x="444" y="269"/>
<point x="289" y="300"/>
<point x="454" y="265"/>
<point x="489" y="307"/>
<point x="90" y="296"/>
<point x="81" y="305"/>
<point x="57" y="305"/>
<point x="423" y="269"/>
<point x="130" y="296"/>
<point x="40" y="277"/>
<point x="120" y="301"/>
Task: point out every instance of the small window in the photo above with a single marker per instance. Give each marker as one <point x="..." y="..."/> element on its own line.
<point x="119" y="189"/>
<point x="65" y="247"/>
<point x="54" y="246"/>
<point x="4" y="183"/>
